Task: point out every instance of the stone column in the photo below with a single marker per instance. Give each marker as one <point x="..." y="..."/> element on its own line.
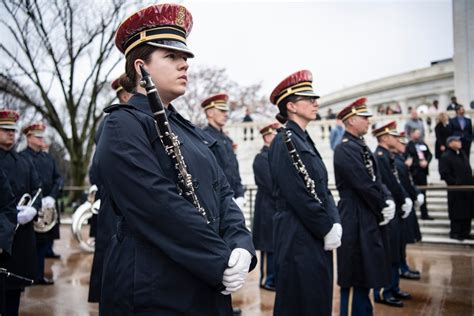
<point x="463" y="27"/>
<point x="443" y="99"/>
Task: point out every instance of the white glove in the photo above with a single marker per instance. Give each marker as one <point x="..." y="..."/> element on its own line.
<point x="48" y="202"/>
<point x="1" y="250"/>
<point x="420" y="200"/>
<point x="388" y="212"/>
<point x="238" y="268"/>
<point x="25" y="214"/>
<point x="407" y="207"/>
<point x="240" y="201"/>
<point x="332" y="240"/>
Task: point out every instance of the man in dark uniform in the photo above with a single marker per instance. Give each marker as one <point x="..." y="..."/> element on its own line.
<point x="104" y="224"/>
<point x="366" y="207"/>
<point x="262" y="230"/>
<point x="387" y="137"/>
<point x="306" y="223"/>
<point x="23" y="179"/>
<point x="8" y="222"/>
<point x="419" y="154"/>
<point x="217" y="113"/>
<point x="455" y="169"/>
<point x="410" y="227"/>
<point x="51" y="183"/>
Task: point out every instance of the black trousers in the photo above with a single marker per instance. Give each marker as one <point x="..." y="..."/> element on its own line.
<point x="422" y="179"/>
<point x="460" y="228"/>
<point x="12" y="299"/>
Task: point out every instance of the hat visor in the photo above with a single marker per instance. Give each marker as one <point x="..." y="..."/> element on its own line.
<point x="173" y="45"/>
<point x="8" y="126"/>
<point x="38" y="134"/>
<point x="397" y="134"/>
<point x="222" y="107"/>
<point x="307" y="94"/>
<point x="365" y="113"/>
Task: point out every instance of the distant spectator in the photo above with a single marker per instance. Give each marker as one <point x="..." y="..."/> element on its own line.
<point x="414" y="123"/>
<point x="247" y="118"/>
<point x="454" y="168"/>
<point x="417" y="150"/>
<point x="381" y="109"/>
<point x="472" y="105"/>
<point x="330" y="116"/>
<point x="442" y="132"/>
<point x="462" y="126"/>
<point x="434" y="108"/>
<point x="389" y="111"/>
<point x="432" y="111"/>
<point x="453" y="104"/>
<point x="336" y="134"/>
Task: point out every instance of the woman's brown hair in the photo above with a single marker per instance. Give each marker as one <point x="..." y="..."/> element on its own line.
<point x="130" y="80"/>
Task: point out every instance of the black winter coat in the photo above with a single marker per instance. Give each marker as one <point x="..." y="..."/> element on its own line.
<point x="226" y="158"/>
<point x="388" y="171"/>
<point x="262" y="231"/>
<point x="454" y="168"/>
<point x="304" y="270"/>
<point x="51" y="184"/>
<point x="164" y="259"/>
<point x="23" y="179"/>
<point x="362" y="259"/>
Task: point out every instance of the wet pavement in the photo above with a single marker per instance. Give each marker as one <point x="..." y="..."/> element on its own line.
<point x="446" y="286"/>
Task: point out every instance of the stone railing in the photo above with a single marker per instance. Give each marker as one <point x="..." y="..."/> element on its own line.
<point x="249" y="141"/>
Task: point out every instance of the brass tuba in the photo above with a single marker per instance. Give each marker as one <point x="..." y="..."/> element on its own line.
<point x="46" y="220"/>
<point x="81" y="218"/>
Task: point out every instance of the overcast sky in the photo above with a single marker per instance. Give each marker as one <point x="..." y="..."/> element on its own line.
<point x="342" y="42"/>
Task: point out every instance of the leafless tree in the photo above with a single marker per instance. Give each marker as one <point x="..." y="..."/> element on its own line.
<point x="56" y="60"/>
<point x="205" y="81"/>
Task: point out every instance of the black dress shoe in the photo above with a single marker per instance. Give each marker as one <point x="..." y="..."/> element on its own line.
<point x="456" y="236"/>
<point x="268" y="287"/>
<point x="390" y="302"/>
<point x="409" y="275"/>
<point x="402" y="295"/>
<point x="44" y="281"/>
<point x="53" y="256"/>
<point x="236" y="311"/>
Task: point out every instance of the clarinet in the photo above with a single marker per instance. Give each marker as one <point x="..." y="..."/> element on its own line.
<point x="171" y="143"/>
<point x="13" y="275"/>
<point x="369" y="164"/>
<point x="299" y="165"/>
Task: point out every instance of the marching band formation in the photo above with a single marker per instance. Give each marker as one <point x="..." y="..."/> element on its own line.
<point x="171" y="236"/>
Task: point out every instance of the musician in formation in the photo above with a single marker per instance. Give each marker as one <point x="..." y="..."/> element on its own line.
<point x="410" y="227"/>
<point x="181" y="245"/>
<point x="306" y="224"/>
<point x="23" y="179"/>
<point x="105" y="222"/>
<point x="47" y="229"/>
<point x="387" y="138"/>
<point x="366" y="208"/>
<point x="265" y="209"/>
<point x="217" y="114"/>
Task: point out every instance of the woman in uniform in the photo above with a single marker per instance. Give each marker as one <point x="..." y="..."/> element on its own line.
<point x="306" y="223"/>
<point x="166" y="257"/>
